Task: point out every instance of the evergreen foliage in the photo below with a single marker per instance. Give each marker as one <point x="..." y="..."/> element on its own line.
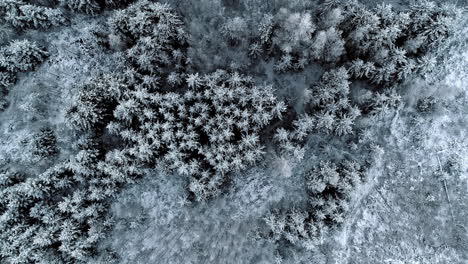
<point x="92" y="7"/>
<point x="152" y="107"/>
<point x="17" y="56"/>
<point x="23" y="16"/>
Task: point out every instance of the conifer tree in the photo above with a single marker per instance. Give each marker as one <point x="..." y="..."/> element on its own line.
<point x="21" y="55"/>
<point x="22" y="15"/>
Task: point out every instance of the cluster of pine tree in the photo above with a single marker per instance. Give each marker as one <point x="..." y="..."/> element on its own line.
<point x="209" y="130"/>
<point x="59" y="215"/>
<point x="297" y="39"/>
<point x="386" y="46"/>
<point x="328" y="110"/>
<point x="160" y="111"/>
<point x="330" y="187"/>
<point x="154" y="42"/>
<point x="378" y="44"/>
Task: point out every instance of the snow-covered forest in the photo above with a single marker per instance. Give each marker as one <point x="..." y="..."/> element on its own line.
<point x="233" y="131"/>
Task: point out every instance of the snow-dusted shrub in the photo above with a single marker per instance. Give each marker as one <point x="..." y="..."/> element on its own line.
<point x="427" y="105"/>
<point x="21" y="56"/>
<point x="7" y="79"/>
<point x="22" y="15"/>
<point x="209" y="130"/>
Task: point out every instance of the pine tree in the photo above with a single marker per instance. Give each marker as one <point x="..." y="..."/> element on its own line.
<point x="21" y="55"/>
<point x="45" y="143"/>
<point x="86" y="6"/>
<point x="95" y="103"/>
<point x="22" y="16"/>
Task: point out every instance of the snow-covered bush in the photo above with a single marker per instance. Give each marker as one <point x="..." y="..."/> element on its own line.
<point x="22" y="15"/>
<point x="7" y="79"/>
<point x="206" y="132"/>
<point x="427" y="105"/>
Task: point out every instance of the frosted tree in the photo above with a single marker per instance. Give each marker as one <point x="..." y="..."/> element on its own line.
<point x="92" y="7"/>
<point x="44" y="143"/>
<point x="286" y="36"/>
<point x="328" y="46"/>
<point x="380" y="102"/>
<point x="17" y="56"/>
<point x="21" y="55"/>
<point x="85" y="6"/>
<point x="329" y="111"/>
<point x="22" y="15"/>
<point x="235" y="29"/>
<point x="7" y="79"/>
<point x="95" y="102"/>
